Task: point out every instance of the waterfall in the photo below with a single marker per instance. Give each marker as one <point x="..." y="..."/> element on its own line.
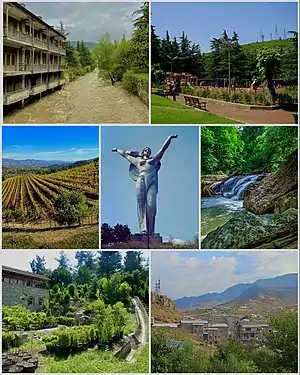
<point x="235" y="186"/>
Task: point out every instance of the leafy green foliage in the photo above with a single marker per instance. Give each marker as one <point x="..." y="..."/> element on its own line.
<point x="17" y="317"/>
<point x="124" y="59"/>
<point x="215" y="64"/>
<point x="70" y="207"/>
<point x="247" y="149"/>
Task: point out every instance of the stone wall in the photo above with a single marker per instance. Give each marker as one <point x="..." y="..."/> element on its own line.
<point x="20" y="295"/>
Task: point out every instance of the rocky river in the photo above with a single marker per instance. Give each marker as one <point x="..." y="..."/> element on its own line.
<point x="251" y="211"/>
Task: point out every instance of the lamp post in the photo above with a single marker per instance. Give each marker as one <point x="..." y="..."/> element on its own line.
<point x="175" y="58"/>
<point x="228" y="41"/>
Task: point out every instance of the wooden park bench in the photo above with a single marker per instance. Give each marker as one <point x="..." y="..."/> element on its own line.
<point x="194" y="102"/>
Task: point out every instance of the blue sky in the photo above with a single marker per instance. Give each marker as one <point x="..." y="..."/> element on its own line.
<point x="66" y="143"/>
<point x="178" y="195"/>
<point x="204" y="21"/>
<point x="195" y="273"/>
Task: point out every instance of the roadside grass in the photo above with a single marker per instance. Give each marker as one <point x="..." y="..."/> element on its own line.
<point x="165" y="111"/>
<point x="96" y="361"/>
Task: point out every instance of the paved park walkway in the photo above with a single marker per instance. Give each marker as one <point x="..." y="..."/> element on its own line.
<point x="87" y="100"/>
<point x="248" y="116"/>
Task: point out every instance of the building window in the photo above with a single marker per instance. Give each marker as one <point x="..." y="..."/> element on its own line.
<point x="30" y="301"/>
<point x="41" y="300"/>
<point x="248" y="329"/>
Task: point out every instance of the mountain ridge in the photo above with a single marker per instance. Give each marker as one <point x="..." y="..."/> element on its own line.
<point x="283" y="287"/>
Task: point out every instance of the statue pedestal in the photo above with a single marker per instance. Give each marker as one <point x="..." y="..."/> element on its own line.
<point x="154" y="238"/>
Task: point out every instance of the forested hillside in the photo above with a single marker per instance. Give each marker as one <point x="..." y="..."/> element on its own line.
<point x="250" y="149"/>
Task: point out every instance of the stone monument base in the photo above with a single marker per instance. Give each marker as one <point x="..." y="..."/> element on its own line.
<point x="154" y="238"/>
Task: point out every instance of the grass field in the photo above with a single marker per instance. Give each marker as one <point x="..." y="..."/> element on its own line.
<point x="96" y="361"/>
<point x="85" y="237"/>
<point x="166" y="111"/>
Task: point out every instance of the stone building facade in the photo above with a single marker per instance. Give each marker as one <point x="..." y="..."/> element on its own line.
<point x="248" y="332"/>
<point x="23" y="288"/>
<point x="33" y="54"/>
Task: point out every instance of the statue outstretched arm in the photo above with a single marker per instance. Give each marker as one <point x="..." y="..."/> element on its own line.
<point x="126" y="154"/>
<point x="164" y="147"/>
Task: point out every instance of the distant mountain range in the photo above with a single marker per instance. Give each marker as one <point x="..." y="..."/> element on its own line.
<point x="7" y="163"/>
<point x="14" y="163"/>
<point x="283" y="288"/>
<point x="87" y="44"/>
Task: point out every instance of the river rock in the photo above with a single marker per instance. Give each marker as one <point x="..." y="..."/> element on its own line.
<point x="208" y="183"/>
<point x="277" y="192"/>
<point x="248" y="231"/>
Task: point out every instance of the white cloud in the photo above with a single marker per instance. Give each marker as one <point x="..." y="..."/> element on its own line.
<point x="183" y="275"/>
<point x="88" y="21"/>
<point x="61" y="153"/>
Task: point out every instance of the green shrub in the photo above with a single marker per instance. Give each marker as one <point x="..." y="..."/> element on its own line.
<point x="137" y="84"/>
<point x="64" y="339"/>
<point x="7" y="339"/>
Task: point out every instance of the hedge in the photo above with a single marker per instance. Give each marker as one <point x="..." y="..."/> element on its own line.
<point x="137" y="84"/>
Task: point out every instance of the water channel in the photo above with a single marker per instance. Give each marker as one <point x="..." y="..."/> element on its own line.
<point x="86" y="100"/>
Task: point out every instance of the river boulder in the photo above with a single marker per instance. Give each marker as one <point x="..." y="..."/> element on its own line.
<point x="248" y="231"/>
<point x="209" y="183"/>
<point x="277" y="192"/>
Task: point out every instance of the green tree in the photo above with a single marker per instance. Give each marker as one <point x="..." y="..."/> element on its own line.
<point x="38" y="265"/>
<point x="109" y="262"/>
<point x="133" y="260"/>
<point x="267" y="62"/>
<point x="283" y="340"/>
<point x="63" y="260"/>
<point x="140" y="38"/>
<point x="70" y="207"/>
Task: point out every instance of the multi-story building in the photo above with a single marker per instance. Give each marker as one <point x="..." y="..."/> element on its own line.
<point x="23" y="288"/>
<point x="193" y="325"/>
<point x="33" y="54"/>
<point x="251" y="332"/>
<point x="216" y="334"/>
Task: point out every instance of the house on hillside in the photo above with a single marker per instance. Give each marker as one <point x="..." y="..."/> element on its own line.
<point x="23" y="288"/>
<point x="247" y="332"/>
<point x="216" y="334"/>
<point x="33" y="53"/>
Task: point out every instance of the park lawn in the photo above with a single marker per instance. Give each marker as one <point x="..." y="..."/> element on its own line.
<point x="159" y="101"/>
<point x="160" y="115"/>
<point x="96" y="361"/>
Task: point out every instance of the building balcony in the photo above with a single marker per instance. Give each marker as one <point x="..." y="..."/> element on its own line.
<point x="16" y="96"/>
<point x="12" y="35"/>
<point x="14" y="38"/>
<point x="39" y="88"/>
<point x="53" y="84"/>
<point x="40" y="43"/>
<point x="11" y="70"/>
<point x="54" y="68"/>
<point x="40" y="68"/>
<point x="57" y="49"/>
